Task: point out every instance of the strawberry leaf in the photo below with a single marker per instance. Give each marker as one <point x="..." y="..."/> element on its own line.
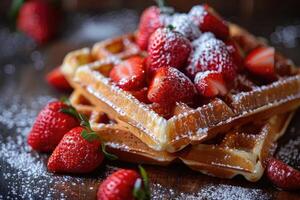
<point x="14" y="9"/>
<point x="66" y="100"/>
<point x="108" y="155"/>
<point x="141" y="189"/>
<point x="89" y="136"/>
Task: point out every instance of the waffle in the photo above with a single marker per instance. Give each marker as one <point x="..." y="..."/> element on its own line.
<point x="187" y="125"/>
<point x="239" y="152"/>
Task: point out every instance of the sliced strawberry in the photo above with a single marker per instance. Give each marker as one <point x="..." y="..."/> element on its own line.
<point x="211" y="54"/>
<point x="167" y="48"/>
<point x="129" y="74"/>
<point x="210" y="84"/>
<point x="282" y="175"/>
<point x="208" y="21"/>
<point x="169" y="85"/>
<point x="56" y="79"/>
<point x="261" y="61"/>
<point x="141" y="95"/>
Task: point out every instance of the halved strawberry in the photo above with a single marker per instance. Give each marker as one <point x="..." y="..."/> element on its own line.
<point x="208" y="21"/>
<point x="210" y="84"/>
<point x="129" y="74"/>
<point x="282" y="175"/>
<point x="56" y="79"/>
<point x="169" y="85"/>
<point x="261" y="61"/>
<point x="141" y="95"/>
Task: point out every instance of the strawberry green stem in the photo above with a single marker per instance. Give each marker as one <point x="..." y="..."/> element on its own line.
<point x="141" y="190"/>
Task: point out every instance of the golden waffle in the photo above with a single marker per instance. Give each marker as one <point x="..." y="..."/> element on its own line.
<point x="241" y="151"/>
<point x="187" y="125"/>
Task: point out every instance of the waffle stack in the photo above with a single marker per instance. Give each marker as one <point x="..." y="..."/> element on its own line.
<point x="220" y="138"/>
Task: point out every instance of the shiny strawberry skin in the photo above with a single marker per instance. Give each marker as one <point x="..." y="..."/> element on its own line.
<point x="50" y="126"/>
<point x="236" y="54"/>
<point x="212" y="55"/>
<point x="75" y="155"/>
<point x="210" y="84"/>
<point x="141" y="95"/>
<point x="208" y="21"/>
<point x="118" y="186"/>
<point x="56" y="79"/>
<point x="167" y="48"/>
<point x="129" y="74"/>
<point x="169" y="85"/>
<point x="261" y="62"/>
<point x="38" y="20"/>
<point x="149" y="22"/>
<point x="282" y="175"/>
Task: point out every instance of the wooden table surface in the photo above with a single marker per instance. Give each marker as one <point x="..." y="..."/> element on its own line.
<point x="23" y="92"/>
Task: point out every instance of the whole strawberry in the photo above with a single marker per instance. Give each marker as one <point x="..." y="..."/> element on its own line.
<point x="38" y="20"/>
<point x="56" y="79"/>
<point x="50" y="126"/>
<point x="211" y="54"/>
<point x="282" y="175"/>
<point x="208" y="21"/>
<point x="125" y="184"/>
<point x="149" y="22"/>
<point x="169" y="85"/>
<point x="75" y="154"/>
<point x="167" y="48"/>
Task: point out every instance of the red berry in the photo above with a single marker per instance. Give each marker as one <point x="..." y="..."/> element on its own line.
<point x="74" y="154"/>
<point x="141" y="95"/>
<point x="167" y="48"/>
<point x="184" y="25"/>
<point x="38" y="20"/>
<point x="149" y="22"/>
<point x="169" y="85"/>
<point x="208" y="21"/>
<point x="210" y="84"/>
<point x="282" y="175"/>
<point x="261" y="61"/>
<point x="235" y="53"/>
<point x="50" y="126"/>
<point x="129" y="74"/>
<point x="118" y="186"/>
<point x="56" y="79"/>
<point x="212" y="55"/>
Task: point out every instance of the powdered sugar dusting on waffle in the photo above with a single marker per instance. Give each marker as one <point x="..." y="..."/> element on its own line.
<point x="184" y="25"/>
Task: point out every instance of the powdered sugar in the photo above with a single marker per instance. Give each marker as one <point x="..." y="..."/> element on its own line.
<point x="197" y="13"/>
<point x="183" y="24"/>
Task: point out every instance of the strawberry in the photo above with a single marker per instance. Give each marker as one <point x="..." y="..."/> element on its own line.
<point x="167" y="48"/>
<point x="38" y="19"/>
<point x="211" y="54"/>
<point x="164" y="110"/>
<point x="169" y="85"/>
<point x="184" y="25"/>
<point x="50" y="126"/>
<point x="141" y="95"/>
<point x="149" y="22"/>
<point x="208" y="21"/>
<point x="202" y="38"/>
<point x="260" y="61"/>
<point x="125" y="184"/>
<point x="210" y="84"/>
<point x="282" y="175"/>
<point x="129" y="74"/>
<point x="236" y="53"/>
<point x="75" y="154"/>
<point x="56" y="79"/>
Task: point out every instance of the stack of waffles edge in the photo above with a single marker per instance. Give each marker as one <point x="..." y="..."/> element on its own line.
<point x="133" y="131"/>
